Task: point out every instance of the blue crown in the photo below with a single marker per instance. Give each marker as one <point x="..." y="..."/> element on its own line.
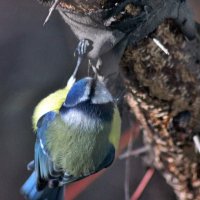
<point x="79" y="92"/>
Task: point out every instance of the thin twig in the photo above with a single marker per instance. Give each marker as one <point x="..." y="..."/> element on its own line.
<point x="135" y="153"/>
<point x="127" y="170"/>
<point x="143" y="184"/>
<point x="52" y="8"/>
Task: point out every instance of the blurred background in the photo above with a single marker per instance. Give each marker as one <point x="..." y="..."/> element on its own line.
<point x="35" y="61"/>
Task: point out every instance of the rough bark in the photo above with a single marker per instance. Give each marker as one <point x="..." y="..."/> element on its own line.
<point x="165" y="96"/>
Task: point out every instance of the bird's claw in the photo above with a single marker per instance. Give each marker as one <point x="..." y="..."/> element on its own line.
<point x="82" y="48"/>
<point x="80" y="52"/>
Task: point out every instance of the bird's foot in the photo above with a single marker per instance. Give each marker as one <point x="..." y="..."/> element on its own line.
<point x="80" y="52"/>
<point x="82" y="47"/>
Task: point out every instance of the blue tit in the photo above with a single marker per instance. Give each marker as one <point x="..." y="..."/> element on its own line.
<point x="54" y="101"/>
<point x="77" y="134"/>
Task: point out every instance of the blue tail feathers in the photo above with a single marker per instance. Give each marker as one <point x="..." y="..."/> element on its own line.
<point x="30" y="191"/>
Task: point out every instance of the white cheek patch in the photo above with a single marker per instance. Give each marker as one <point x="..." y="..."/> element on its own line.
<point x="80" y="122"/>
<point x="102" y="95"/>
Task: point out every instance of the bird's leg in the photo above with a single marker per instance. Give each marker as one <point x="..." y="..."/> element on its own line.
<point x="51" y="9"/>
<point x="95" y="66"/>
<point x="80" y="51"/>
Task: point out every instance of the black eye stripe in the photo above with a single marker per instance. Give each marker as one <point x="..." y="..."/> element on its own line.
<point x="92" y="88"/>
<point x="101" y="111"/>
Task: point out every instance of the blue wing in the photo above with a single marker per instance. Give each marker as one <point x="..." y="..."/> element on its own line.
<point x="43" y="182"/>
<point x="45" y="169"/>
<point x="30" y="192"/>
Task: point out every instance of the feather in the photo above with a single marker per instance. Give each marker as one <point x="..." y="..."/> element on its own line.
<point x="44" y="167"/>
<point x="30" y="191"/>
<point x="73" y="140"/>
<point x="52" y="102"/>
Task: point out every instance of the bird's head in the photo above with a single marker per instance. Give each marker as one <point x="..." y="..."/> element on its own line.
<point x="88" y="90"/>
<point x="91" y="97"/>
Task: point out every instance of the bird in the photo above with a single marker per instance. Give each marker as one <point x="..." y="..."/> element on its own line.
<point x="77" y="134"/>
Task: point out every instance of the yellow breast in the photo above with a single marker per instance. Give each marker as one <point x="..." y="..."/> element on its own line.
<point x="52" y="102"/>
